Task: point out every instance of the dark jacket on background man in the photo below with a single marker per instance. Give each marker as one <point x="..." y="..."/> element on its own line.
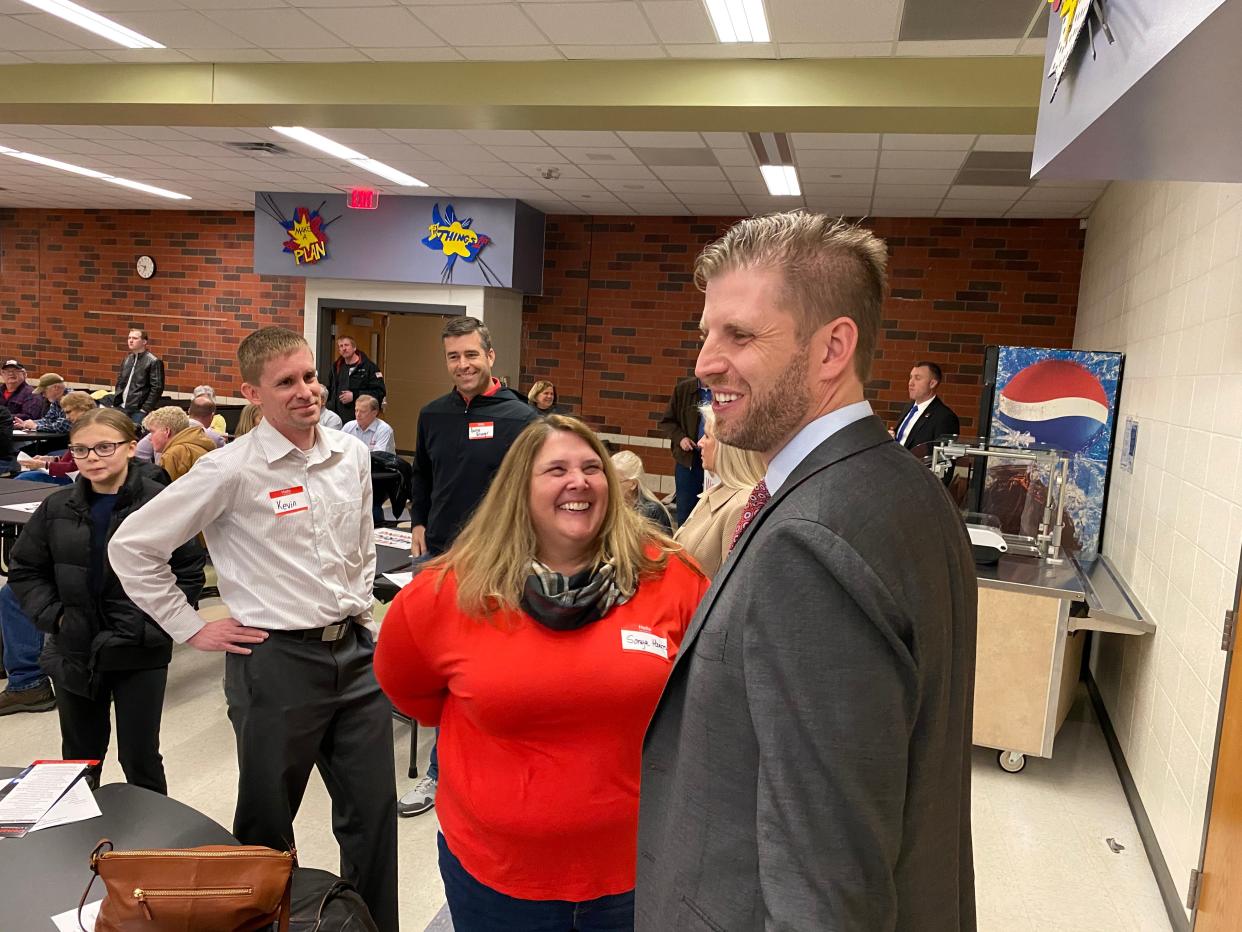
<point x="681" y="419"/>
<point x="148" y="384"/>
<point x="808" y="766"/>
<point x="362" y="379"/>
<point x="25" y="403"/>
<point x="451" y="470"/>
<point x="6" y="434"/>
<point x="91" y="632"/>
<point x="932" y="424"/>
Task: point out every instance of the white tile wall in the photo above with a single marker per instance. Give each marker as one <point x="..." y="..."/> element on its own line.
<point x="1162" y="281"/>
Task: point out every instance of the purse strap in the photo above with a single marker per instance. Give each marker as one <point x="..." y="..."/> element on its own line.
<point x="95" y="873"/>
<point x="286" y="904"/>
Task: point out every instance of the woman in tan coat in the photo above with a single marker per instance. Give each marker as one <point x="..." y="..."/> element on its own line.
<point x="708" y="531"/>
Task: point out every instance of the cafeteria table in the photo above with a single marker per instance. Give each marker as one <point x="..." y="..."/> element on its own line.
<point x="17" y="492"/>
<point x="38" y="442"/>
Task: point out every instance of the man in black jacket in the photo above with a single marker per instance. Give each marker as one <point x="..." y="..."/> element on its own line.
<point x="462" y="438"/>
<point x="683" y="425"/>
<point x="352" y="374"/>
<point x="140" y="383"/>
<point x="928" y="418"/>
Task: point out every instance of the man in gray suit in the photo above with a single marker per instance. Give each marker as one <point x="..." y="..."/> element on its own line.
<point x="808" y="766"/>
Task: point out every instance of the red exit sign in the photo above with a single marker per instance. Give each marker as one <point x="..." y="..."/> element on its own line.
<point x="363" y="198"/>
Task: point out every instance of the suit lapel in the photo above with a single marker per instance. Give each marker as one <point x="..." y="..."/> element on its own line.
<point x="848" y="441"/>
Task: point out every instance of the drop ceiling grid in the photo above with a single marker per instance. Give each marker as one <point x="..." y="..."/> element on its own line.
<point x="437" y="30"/>
<point x="605" y="174"/>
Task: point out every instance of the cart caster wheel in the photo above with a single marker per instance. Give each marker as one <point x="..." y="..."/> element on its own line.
<point x="1011" y="761"/>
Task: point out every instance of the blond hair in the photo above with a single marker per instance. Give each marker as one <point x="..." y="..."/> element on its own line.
<point x="629" y="466"/>
<point x="77" y="401"/>
<point x="248" y="420"/>
<point x="830" y="268"/>
<point x="115" y="418"/>
<point x="539" y="388"/>
<point x="265" y="344"/>
<point x="171" y="417"/>
<point x="491" y="557"/>
<point x="735" y="468"/>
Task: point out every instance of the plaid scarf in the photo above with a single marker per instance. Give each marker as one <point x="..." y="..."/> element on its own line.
<point x="566" y="603"/>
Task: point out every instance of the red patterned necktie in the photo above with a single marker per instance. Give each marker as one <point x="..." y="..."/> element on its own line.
<point x="758" y="498"/>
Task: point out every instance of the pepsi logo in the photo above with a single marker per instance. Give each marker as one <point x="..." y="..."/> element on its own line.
<point x="1059" y="403"/>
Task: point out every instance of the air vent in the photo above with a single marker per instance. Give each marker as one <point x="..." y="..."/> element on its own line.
<point x="262" y="148"/>
<point x="601" y="157"/>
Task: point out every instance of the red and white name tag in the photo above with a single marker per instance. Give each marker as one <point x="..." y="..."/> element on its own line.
<point x="644" y="642"/>
<point x="289" y="501"/>
<point x="481" y="430"/>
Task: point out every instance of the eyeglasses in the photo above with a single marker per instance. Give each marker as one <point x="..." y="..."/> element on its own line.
<point x="79" y="452"/>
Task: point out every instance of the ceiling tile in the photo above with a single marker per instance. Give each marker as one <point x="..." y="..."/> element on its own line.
<point x="854" y="21"/>
<point x="380" y="27"/>
<point x="511" y="53"/>
<point x="824" y="175"/>
<point x="443" y="53"/>
<point x="499" y="24"/>
<point x="276" y="29"/>
<point x="688" y="172"/>
<point x="803" y="141"/>
<point x="762" y="204"/>
<point x="836" y="158"/>
<point x="587" y="157"/>
<point x="958" y="49"/>
<point x="915" y="176"/>
<point x="320" y="55"/>
<point x="526" y="155"/>
<point x="20" y="36"/>
<point x="950" y="142"/>
<point x="183" y="29"/>
<point x="453" y="153"/>
<point x="613" y="52"/>
<point x="429" y="137"/>
<point x="568" y="186"/>
<point x="990" y="206"/>
<point x="735" y="157"/>
<point x="625" y="187"/>
<point x="891" y="191"/>
<point x="988" y="143"/>
<point x="719" y="50"/>
<point x="67" y="57"/>
<point x="662" y="140"/>
<point x="502" y="137"/>
<point x="912" y="158"/>
<point x="902" y="203"/>
<point x="231" y="55"/>
<point x="995" y="19"/>
<point x="565" y="169"/>
<point x="850" y="206"/>
<point x="835" y="49"/>
<point x="985" y="192"/>
<point x="648" y="197"/>
<point x="836" y="190"/>
<point x="600" y="23"/>
<point x="683" y="21"/>
<point x="145" y="56"/>
<point x="581" y="139"/>
<point x="681" y="186"/>
<point x="615" y="171"/>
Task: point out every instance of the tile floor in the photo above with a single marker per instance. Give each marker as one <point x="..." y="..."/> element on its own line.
<point x="1042" y="860"/>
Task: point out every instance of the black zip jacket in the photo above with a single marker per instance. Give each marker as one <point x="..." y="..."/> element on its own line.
<point x="452" y="470"/>
<point x="364" y="380"/>
<point x="148" y="385"/>
<point x="50" y="572"/>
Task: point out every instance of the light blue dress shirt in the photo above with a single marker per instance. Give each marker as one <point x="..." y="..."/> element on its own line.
<point x="807" y="439"/>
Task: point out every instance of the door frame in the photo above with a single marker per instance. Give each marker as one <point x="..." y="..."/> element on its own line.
<point x="325" y="308"/>
<point x="1220" y="728"/>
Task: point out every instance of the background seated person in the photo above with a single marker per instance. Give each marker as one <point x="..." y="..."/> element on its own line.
<point x="369" y="428"/>
<point x="217" y="421"/>
<point x="203" y="412"/>
<point x="52" y="387"/>
<point x="249" y="420"/>
<point x="60" y="469"/>
<point x="630" y="473"/>
<point x="17" y="394"/>
<point x="177" y="440"/>
<point x="327" y="417"/>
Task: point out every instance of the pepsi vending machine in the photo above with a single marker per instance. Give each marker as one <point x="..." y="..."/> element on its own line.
<point x="1064" y="399"/>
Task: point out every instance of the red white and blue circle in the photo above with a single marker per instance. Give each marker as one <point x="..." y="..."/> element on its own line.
<point x="1058" y="402"/>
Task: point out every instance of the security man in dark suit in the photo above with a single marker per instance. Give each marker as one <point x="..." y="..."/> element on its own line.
<point x="928" y="418"/>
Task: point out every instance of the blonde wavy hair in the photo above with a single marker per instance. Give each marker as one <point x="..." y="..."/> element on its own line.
<point x="492" y="555"/>
<point x="248" y="420"/>
<point x="170" y="416"/>
<point x="736" y="468"/>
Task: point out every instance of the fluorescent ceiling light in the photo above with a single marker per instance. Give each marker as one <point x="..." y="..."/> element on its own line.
<point x="93" y="22"/>
<point x="782" y="180"/>
<point x="324" y="144"/>
<point x="738" y="20"/>
<point x="91" y="173"/>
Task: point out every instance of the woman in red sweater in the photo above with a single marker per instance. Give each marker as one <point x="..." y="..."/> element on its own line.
<point x="540" y="644"/>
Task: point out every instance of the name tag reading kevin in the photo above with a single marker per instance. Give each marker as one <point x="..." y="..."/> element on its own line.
<point x="481" y="430"/>
<point x="644" y="642"/>
<point x="289" y="501"/>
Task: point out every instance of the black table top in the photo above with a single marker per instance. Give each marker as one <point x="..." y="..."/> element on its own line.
<point x="45" y="872"/>
<point x="29" y="492"/>
<point x="389" y="560"/>
<point x="40" y="435"/>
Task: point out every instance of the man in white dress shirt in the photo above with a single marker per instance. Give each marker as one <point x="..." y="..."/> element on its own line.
<point x="327" y="417"/>
<point x="286" y="514"/>
<point x="368" y="427"/>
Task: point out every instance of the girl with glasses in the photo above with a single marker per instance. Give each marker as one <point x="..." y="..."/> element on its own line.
<point x="101" y="650"/>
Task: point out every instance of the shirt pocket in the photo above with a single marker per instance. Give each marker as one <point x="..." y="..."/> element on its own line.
<point x="344" y="527"/>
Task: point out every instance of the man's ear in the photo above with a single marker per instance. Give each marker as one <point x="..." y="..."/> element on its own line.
<point x="833" y="346"/>
<point x="250" y="393"/>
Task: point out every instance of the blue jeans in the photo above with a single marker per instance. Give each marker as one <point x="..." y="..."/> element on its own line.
<point x="689" y="480"/>
<point x="23" y="643"/>
<point x="476" y="907"/>
<point x="31" y="476"/>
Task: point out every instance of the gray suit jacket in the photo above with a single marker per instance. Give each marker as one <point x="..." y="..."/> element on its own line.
<point x="808" y="766"/>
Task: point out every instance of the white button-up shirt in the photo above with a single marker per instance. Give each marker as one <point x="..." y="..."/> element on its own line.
<point x="378" y="436"/>
<point x="290" y="534"/>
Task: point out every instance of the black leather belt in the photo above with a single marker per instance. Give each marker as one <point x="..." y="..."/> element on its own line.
<point x="329" y="634"/>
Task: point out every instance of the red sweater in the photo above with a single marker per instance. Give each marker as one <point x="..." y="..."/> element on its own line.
<point x="541" y="730"/>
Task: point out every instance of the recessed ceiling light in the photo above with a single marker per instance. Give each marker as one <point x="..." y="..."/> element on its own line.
<point x="91" y="173"/>
<point x="738" y="20"/>
<point x="93" y="22"/>
<point x="335" y="149"/>
<point x="782" y="180"/>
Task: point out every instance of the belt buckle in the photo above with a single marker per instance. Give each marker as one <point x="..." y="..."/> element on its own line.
<point x="333" y="631"/>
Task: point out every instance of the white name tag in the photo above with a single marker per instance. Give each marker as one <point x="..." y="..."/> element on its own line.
<point x="645" y="642"/>
<point x="481" y="430"/>
<point x="289" y="501"/>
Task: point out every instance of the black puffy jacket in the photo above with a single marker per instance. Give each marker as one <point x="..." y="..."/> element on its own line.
<point x="50" y="570"/>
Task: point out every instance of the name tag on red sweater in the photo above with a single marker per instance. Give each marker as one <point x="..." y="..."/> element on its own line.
<point x="644" y="642"/>
<point x="289" y="501"/>
<point x="481" y="430"/>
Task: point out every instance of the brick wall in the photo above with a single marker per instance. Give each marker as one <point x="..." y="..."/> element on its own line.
<point x="617" y="324"/>
<point x="69" y="292"/>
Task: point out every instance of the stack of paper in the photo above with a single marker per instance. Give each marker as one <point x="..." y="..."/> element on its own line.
<point x="391" y="537"/>
<point x="46" y="793"/>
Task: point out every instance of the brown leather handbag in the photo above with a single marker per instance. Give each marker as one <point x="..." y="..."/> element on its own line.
<point x="209" y="889"/>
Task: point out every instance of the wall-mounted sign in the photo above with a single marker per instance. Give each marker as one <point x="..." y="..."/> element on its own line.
<point x="363" y="199"/>
<point x="406" y="239"/>
<point x="1074" y="15"/>
<point x="455" y="240"/>
<point x="305" y="230"/>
